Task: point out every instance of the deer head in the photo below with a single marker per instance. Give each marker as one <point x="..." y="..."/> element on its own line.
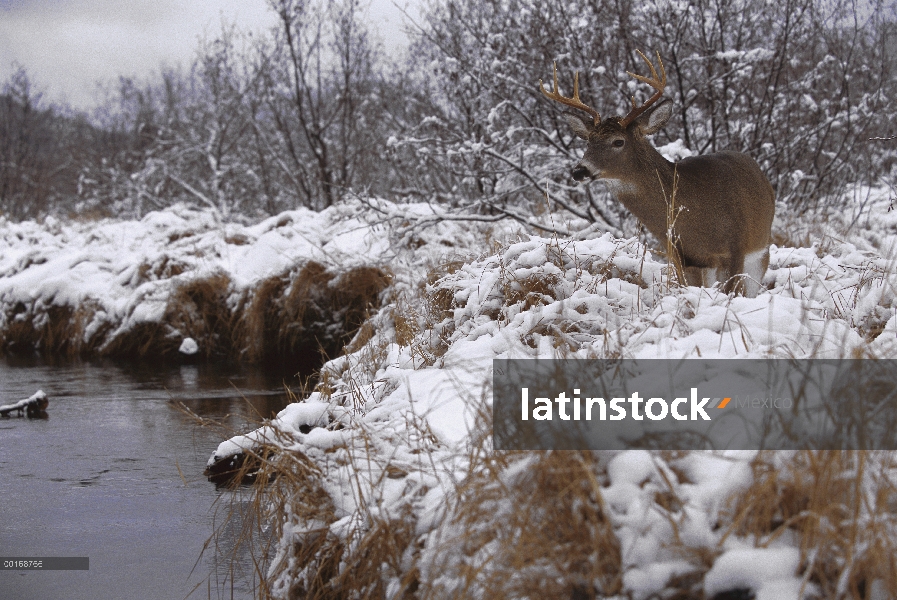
<point x="615" y="143"/>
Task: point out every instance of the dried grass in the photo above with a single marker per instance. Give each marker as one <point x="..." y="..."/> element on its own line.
<point x="538" y="531"/>
<point x="297" y="317"/>
<point x="527" y="524"/>
<point x="286" y="487"/>
<point x="534" y="525"/>
<point x="199" y="309"/>
<point x="357" y="290"/>
<point x="530" y="524"/>
<point x="846" y="300"/>
<point x="287" y="484"/>
<point x="419" y="319"/>
<point x="164" y="269"/>
<point x="841" y="505"/>
<point x="54" y="331"/>
<point x="542" y="533"/>
<point x="260" y="319"/>
<point x="675" y="269"/>
<point x="293" y="318"/>
<point x="795" y="230"/>
<point x="144" y="339"/>
<point x="266" y="485"/>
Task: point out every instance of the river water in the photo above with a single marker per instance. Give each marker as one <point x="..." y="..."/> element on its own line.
<point x="115" y="474"/>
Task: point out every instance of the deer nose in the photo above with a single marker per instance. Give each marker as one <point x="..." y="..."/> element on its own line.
<point x="579" y="173"/>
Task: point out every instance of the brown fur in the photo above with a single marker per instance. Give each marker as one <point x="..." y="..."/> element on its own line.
<point x="727" y="203"/>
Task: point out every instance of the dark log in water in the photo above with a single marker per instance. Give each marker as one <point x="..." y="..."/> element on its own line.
<point x="241" y="468"/>
<point x="34" y="407"/>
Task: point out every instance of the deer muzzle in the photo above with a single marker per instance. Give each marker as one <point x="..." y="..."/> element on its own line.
<point x="580" y="173"/>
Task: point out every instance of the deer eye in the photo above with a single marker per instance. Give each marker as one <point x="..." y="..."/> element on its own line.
<point x="619" y="143"/>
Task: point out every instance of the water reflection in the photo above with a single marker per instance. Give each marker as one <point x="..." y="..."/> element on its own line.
<point x="115" y="474"/>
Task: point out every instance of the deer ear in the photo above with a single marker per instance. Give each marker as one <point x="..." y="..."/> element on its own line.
<point x="654" y="120"/>
<point x="579" y="125"/>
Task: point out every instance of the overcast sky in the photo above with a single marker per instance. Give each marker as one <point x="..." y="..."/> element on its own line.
<point x="67" y="46"/>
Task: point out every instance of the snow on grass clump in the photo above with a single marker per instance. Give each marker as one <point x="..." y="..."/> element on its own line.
<point x="401" y="492"/>
<point x="141" y="288"/>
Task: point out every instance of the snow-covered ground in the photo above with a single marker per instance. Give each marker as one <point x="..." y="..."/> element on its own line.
<point x="397" y="431"/>
<point x="397" y="426"/>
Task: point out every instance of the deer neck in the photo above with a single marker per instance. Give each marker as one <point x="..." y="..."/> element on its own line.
<point x="645" y="189"/>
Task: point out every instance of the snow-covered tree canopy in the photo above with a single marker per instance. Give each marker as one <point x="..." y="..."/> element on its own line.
<point x="313" y="109"/>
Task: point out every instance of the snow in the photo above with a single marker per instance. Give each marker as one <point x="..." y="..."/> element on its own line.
<point x="768" y="572"/>
<point x="126" y="271"/>
<point x="22" y="404"/>
<point x="188" y="347"/>
<point x="399" y="422"/>
<point x="543" y="298"/>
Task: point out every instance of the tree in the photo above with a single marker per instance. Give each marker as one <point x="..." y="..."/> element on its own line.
<point x="27" y="145"/>
<point x="320" y="81"/>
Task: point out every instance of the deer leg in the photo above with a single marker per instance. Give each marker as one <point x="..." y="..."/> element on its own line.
<point x="755" y="265"/>
<point x="693" y="275"/>
<point x="711" y="276"/>
<point x="733" y="273"/>
<point x="702" y="276"/>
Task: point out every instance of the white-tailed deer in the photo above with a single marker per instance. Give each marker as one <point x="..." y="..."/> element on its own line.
<point x="722" y="233"/>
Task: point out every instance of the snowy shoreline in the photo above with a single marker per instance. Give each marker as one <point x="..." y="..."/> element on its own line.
<point x="141" y="288"/>
<point x="397" y="454"/>
<point x="388" y="464"/>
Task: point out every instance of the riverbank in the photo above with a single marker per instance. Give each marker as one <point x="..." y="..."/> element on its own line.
<point x="384" y="482"/>
<point x="288" y="288"/>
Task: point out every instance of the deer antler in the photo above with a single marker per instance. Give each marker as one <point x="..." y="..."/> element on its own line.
<point x="658" y="83"/>
<point x="574" y="102"/>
